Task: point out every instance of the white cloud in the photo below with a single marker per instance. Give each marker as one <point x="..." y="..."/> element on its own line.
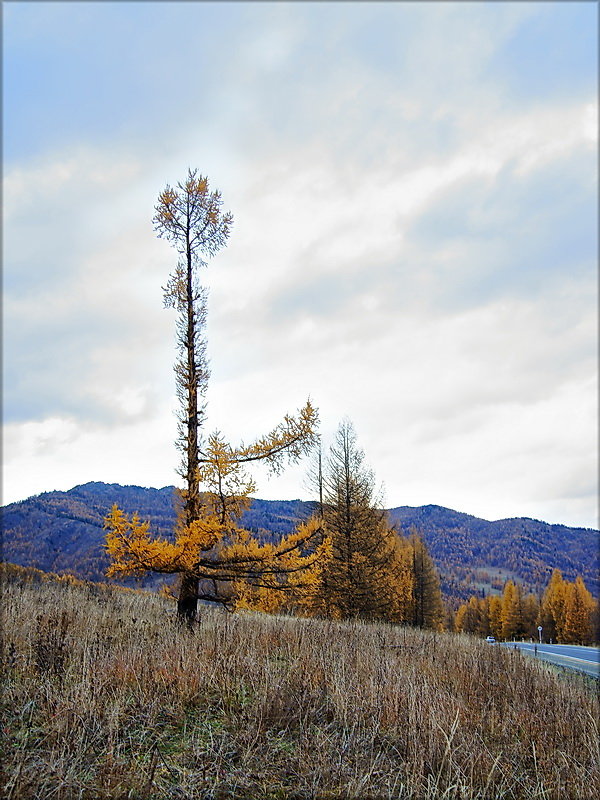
<point x="410" y="247"/>
<point x="58" y="453"/>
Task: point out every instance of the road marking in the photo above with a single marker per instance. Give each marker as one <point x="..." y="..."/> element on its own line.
<point x="572" y="658"/>
<point x="558" y="655"/>
<point x="545" y="653"/>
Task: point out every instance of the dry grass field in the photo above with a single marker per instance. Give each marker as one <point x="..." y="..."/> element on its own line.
<point x="105" y="697"/>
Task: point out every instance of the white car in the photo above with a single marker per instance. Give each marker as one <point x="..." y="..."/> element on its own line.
<point x="490" y="640"/>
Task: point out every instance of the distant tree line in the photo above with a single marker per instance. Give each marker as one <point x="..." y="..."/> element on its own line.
<point x="566" y="612"/>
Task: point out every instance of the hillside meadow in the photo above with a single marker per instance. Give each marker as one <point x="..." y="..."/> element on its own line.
<point x="106" y="697"/>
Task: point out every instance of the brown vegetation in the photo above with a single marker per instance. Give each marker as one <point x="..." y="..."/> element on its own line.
<point x="103" y="700"/>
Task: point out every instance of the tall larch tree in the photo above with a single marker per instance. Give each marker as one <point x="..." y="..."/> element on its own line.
<point x="191" y="219"/>
<point x="210" y="551"/>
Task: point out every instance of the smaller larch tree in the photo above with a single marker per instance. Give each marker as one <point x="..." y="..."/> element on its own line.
<point x="552" y="611"/>
<point x="495" y="616"/>
<point x="512" y="614"/>
<point x="365" y="568"/>
<point x="428" y="607"/>
<point x="579" y="606"/>
<point x="468" y="617"/>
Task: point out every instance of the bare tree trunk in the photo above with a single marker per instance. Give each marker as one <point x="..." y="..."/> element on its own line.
<point x="187" y="602"/>
<point x="193" y="497"/>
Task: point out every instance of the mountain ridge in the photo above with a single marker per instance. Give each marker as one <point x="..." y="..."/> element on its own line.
<point x="170" y="488"/>
<point x="62" y="531"/>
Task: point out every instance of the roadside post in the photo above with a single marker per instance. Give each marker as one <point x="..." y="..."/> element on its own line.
<point x="540" y="632"/>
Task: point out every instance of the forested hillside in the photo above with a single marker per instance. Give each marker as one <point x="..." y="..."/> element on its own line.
<point x="63" y="532"/>
<point x="473" y="554"/>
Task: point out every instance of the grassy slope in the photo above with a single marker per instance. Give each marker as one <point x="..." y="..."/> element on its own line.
<point x="105" y="698"/>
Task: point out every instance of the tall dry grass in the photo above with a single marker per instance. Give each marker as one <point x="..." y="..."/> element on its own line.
<point x="104" y="697"/>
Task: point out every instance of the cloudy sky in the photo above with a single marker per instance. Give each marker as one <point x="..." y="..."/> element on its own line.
<point x="414" y="187"/>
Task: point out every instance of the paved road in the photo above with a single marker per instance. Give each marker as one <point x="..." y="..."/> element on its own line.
<point x="581" y="659"/>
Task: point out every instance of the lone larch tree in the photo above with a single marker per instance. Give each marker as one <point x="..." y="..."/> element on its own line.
<point x="209" y="550"/>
